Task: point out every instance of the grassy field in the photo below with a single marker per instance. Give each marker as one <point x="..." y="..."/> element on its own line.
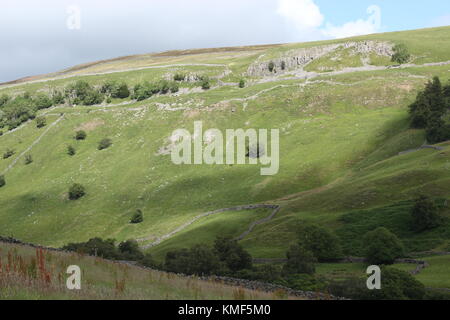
<point x="341" y="136"/>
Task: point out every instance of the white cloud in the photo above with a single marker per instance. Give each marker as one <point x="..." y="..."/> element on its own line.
<point x="358" y="27"/>
<point x="305" y="14"/>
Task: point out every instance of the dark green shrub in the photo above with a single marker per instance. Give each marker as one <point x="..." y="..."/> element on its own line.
<point x="242" y="83"/>
<point x="174" y="87"/>
<point x="143" y="91"/>
<point x="58" y="98"/>
<point x="76" y="191"/>
<point x="147" y="261"/>
<point x="425" y="214"/>
<point x="179" y="77"/>
<point x="382" y="247"/>
<point x="2" y="181"/>
<point x="164" y="86"/>
<point x="8" y="153"/>
<point x="437" y="131"/>
<point x="42" y="101"/>
<point x="93" y="97"/>
<point x="129" y="250"/>
<point x="271" y="66"/>
<point x="41" y="122"/>
<point x="395" y="285"/>
<point x="401" y="54"/>
<point x="231" y="254"/>
<point x="71" y="151"/>
<point x="205" y="83"/>
<point x="324" y="244"/>
<point x="95" y="247"/>
<point x="283" y="65"/>
<point x="300" y="261"/>
<point x="123" y="91"/>
<point x="28" y="159"/>
<point x="4" y="98"/>
<point x="199" y="260"/>
<point x="428" y="111"/>
<point x="104" y="144"/>
<point x="80" y="135"/>
<point x="137" y="217"/>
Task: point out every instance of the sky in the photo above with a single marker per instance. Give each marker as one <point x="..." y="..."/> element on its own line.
<point x="41" y="36"/>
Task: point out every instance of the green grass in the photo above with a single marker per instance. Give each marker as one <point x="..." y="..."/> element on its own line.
<point x="436" y="275"/>
<point x="335" y="61"/>
<point x="339" y="152"/>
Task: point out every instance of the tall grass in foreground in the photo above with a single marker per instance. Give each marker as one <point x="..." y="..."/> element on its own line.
<point x="29" y="273"/>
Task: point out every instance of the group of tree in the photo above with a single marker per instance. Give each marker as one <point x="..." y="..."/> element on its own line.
<point x="16" y="110"/>
<point x="225" y="257"/>
<point x="430" y="109"/>
<point x="127" y="250"/>
<point x="146" y="89"/>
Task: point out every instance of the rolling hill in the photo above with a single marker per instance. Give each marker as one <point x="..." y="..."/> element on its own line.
<point x="342" y="110"/>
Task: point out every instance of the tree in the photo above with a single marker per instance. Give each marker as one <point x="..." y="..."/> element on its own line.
<point x="271" y="66"/>
<point x="4" y="98"/>
<point x="80" y="135"/>
<point x="203" y="261"/>
<point x="428" y="111"/>
<point x="231" y="253"/>
<point x="179" y="77"/>
<point x="138" y="217"/>
<point x="283" y="65"/>
<point x="437" y="131"/>
<point x="129" y="250"/>
<point x="58" y="98"/>
<point x="199" y="260"/>
<point x="164" y="86"/>
<point x="398" y="285"/>
<point x="93" y="97"/>
<point x="242" y="83"/>
<point x="76" y="191"/>
<point x="425" y="214"/>
<point x="42" y="101"/>
<point x="401" y="54"/>
<point x="395" y="285"/>
<point x="174" y="87"/>
<point x="104" y="144"/>
<point x="204" y="82"/>
<point x="382" y="247"/>
<point x="2" y="181"/>
<point x="321" y="242"/>
<point x="41" y="122"/>
<point x="95" y="247"/>
<point x="8" y="153"/>
<point x="123" y="91"/>
<point x="299" y="261"/>
<point x="71" y="151"/>
<point x="147" y="261"/>
<point x="28" y="159"/>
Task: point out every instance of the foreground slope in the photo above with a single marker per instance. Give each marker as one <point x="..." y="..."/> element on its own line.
<point x="35" y="274"/>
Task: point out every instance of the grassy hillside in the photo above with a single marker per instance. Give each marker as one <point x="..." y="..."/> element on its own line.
<point x="341" y="134"/>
